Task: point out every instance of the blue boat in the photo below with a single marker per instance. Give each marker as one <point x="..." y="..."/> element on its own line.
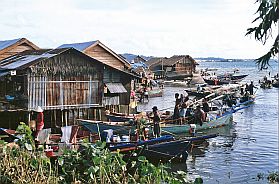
<point x="162" y="149"/>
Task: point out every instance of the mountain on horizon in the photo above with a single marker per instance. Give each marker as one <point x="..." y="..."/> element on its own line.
<point x="211" y="58"/>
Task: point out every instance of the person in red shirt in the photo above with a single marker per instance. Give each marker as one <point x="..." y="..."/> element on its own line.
<point x="39" y="120"/>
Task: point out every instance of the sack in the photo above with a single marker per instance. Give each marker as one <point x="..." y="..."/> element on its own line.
<point x="145" y="93"/>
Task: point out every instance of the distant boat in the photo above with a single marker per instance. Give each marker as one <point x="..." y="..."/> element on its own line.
<point x="155" y="92"/>
<point x="172" y="83"/>
<point x="218" y="82"/>
<point x="276" y="83"/>
<point x="198" y="94"/>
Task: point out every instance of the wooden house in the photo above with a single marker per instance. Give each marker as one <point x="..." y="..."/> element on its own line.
<point x="11" y="47"/>
<point x="102" y="53"/>
<point x="156" y="65"/>
<point x="117" y="78"/>
<point x="175" y="67"/>
<point x="66" y="83"/>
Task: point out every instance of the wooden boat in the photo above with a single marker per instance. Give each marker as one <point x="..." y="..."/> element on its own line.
<point x="119" y="117"/>
<point x="224" y="120"/>
<point x="198" y="94"/>
<point x="246" y="100"/>
<point x="275" y="83"/>
<point x="7" y="135"/>
<point x="219" y="82"/>
<point x="232" y="76"/>
<point x="174" y="151"/>
<point x="237" y="77"/>
<point x="172" y="83"/>
<point x="130" y="146"/>
<point x="162" y="149"/>
<point x="156" y="92"/>
<point x="100" y="126"/>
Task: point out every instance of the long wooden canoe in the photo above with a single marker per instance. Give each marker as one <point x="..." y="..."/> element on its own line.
<point x="215" y="123"/>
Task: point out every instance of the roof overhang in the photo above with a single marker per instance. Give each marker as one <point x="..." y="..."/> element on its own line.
<point x="116" y="88"/>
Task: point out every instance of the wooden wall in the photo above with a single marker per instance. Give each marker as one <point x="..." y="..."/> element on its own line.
<point x="185" y="65"/>
<point x="67" y="81"/>
<point x="104" y="56"/>
<point x="15" y="50"/>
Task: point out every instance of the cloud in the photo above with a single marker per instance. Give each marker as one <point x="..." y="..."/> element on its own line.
<point x="158" y="27"/>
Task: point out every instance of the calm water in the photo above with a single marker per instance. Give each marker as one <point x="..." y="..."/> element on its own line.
<point x="244" y="150"/>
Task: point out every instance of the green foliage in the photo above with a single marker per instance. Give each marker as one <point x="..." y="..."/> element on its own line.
<point x="26" y="140"/>
<point x="272" y="177"/>
<point x="18" y="165"/>
<point x="268" y="15"/>
<point x="92" y="164"/>
<point x="95" y="164"/>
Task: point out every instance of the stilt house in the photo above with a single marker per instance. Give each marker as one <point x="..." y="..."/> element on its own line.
<point x="117" y="78"/>
<point x="66" y="83"/>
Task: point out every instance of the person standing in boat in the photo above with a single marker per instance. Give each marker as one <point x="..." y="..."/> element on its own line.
<point x="205" y="106"/>
<point x="251" y="88"/>
<point x="181" y="99"/>
<point x="156" y="122"/>
<point x="145" y="92"/>
<point x="176" y="96"/>
<point x="182" y="112"/>
<point x="176" y="113"/>
<point x="246" y="87"/>
<point x="199" y="115"/>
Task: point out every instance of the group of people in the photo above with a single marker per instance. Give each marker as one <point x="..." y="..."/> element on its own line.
<point x="143" y="94"/>
<point x="142" y="123"/>
<point x="249" y="90"/>
<point x="184" y="108"/>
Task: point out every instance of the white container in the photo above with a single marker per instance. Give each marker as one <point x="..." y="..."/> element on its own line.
<point x="114" y="138"/>
<point x="125" y="138"/>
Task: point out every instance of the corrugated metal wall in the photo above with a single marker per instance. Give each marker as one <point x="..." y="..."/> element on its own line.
<point x="62" y="94"/>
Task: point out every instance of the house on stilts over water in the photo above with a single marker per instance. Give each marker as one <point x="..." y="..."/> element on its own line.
<point x="177" y="67"/>
<point x="67" y="83"/>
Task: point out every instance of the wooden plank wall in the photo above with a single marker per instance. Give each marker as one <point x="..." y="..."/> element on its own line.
<point x="104" y="56"/>
<point x="15" y="50"/>
<point x="56" y="94"/>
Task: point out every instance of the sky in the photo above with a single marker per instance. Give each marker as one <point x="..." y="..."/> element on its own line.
<point x="199" y="28"/>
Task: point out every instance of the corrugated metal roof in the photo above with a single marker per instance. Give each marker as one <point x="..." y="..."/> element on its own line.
<point x="27" y="58"/>
<point x="4" y="72"/>
<point x="79" y="46"/>
<point x="116" y="88"/>
<point x="6" y="43"/>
